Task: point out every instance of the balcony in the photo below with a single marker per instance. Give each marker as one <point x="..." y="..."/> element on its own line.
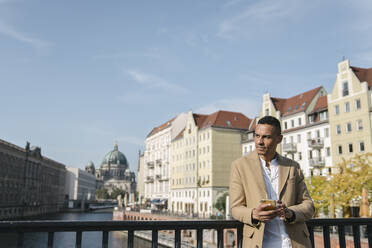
<point x="78" y="227"/>
<point x="158" y="162"/>
<point x="149" y="179"/>
<point x="317" y="143"/>
<point x="150" y="164"/>
<point x="317" y="162"/>
<point x="164" y="178"/>
<point x="158" y="177"/>
<point x="290" y="148"/>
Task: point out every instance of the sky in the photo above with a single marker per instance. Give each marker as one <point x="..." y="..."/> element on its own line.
<point x="76" y="76"/>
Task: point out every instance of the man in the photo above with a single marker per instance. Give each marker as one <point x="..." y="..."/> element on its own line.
<point x="264" y="174"/>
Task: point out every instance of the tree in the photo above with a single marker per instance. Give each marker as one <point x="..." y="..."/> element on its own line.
<point x="345" y="184"/>
<point x="102" y="193"/>
<point x="350" y="177"/>
<point x="221" y="202"/>
<point x="116" y="192"/>
<point x="316" y="186"/>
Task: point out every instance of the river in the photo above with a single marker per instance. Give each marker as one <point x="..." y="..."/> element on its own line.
<point x="67" y="239"/>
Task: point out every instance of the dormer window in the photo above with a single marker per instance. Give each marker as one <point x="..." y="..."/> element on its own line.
<point x="345" y="89"/>
<point x="228" y="123"/>
<point x="289" y="108"/>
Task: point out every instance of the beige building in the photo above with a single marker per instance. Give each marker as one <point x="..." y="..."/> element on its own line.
<point x="201" y="160"/>
<point x="350" y="112"/>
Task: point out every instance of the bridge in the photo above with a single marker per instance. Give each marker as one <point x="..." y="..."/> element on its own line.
<point x="323" y="225"/>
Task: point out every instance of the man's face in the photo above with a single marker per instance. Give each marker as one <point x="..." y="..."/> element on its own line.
<point x="266" y="139"/>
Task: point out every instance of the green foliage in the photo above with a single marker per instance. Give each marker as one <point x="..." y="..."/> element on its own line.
<point x="102" y="193"/>
<point x="346" y="183"/>
<point x="221" y="202"/>
<point x="116" y="192"/>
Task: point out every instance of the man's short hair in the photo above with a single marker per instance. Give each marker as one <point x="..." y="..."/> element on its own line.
<point x="270" y="120"/>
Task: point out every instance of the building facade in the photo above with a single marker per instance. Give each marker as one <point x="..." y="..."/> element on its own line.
<point x="79" y="184"/>
<point x="305" y="129"/>
<point x="115" y="173"/>
<point x="201" y="158"/>
<point x="157" y="161"/>
<point x="350" y="113"/>
<point x="30" y="184"/>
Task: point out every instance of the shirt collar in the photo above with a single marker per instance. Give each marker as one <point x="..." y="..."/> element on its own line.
<point x="273" y="162"/>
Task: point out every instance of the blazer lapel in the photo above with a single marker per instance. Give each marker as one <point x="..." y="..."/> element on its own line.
<point x="283" y="169"/>
<point x="257" y="174"/>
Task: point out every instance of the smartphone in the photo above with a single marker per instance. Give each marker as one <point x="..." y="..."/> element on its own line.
<point x="269" y="201"/>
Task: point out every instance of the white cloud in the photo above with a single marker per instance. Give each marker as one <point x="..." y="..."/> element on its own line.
<point x="11" y="32"/>
<point x="153" y="81"/>
<point x="248" y="106"/>
<point x="255" y="15"/>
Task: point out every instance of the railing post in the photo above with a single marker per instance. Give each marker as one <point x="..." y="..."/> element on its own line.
<point x="177" y="238"/>
<point x="20" y="239"/>
<point x="369" y="231"/>
<point x="240" y="236"/>
<point x="219" y="238"/>
<point x="105" y="239"/>
<point x="326" y="237"/>
<point x="78" y="239"/>
<point x="356" y="235"/>
<point x="130" y="238"/>
<point x="199" y="238"/>
<point x="341" y="235"/>
<point x="154" y="240"/>
<point x="50" y="239"/>
<point x="311" y="231"/>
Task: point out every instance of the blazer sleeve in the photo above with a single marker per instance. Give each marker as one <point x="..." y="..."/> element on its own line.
<point x="304" y="209"/>
<point x="238" y="206"/>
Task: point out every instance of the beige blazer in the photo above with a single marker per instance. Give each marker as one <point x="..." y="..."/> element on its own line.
<point x="247" y="188"/>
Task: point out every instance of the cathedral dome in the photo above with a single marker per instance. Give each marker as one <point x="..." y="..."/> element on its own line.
<point x="115" y="157"/>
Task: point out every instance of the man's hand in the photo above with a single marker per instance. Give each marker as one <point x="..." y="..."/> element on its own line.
<point x="260" y="214"/>
<point x="285" y="213"/>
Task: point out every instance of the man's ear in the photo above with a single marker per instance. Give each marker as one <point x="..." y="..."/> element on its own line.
<point x="280" y="138"/>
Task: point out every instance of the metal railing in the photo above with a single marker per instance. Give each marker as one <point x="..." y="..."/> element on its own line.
<point x="79" y="227"/>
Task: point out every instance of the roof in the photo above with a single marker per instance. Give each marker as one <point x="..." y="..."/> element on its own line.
<point x="295" y="104"/>
<point x="364" y="75"/>
<point x="161" y="127"/>
<point x="225" y="119"/>
<point x="321" y="104"/>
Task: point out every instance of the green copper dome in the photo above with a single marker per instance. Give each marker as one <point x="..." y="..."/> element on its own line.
<point x="115" y="157"/>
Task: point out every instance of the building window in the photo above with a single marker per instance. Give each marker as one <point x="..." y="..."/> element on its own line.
<point x="348" y="127"/>
<point x="291" y="138"/>
<point x="337" y="110"/>
<point x="361" y="146"/>
<point x="299" y="121"/>
<point x="284" y="140"/>
<point x="357" y="104"/>
<point x="308" y="135"/>
<point x="318" y="133"/>
<point x="310" y="154"/>
<point x="345" y="89"/>
<point x="338" y="129"/>
<point x="298" y="138"/>
<point x="339" y="149"/>
<point x="285" y="125"/>
<point x="328" y="151"/>
<point x="292" y="123"/>
<point x="347" y="107"/>
<point x="323" y="115"/>
<point x="350" y="148"/>
<point x="299" y="156"/>
<point x="326" y="131"/>
<point x="311" y="118"/>
<point x="267" y="111"/>
<point x="359" y="125"/>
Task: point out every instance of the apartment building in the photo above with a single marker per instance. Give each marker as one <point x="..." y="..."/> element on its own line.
<point x="305" y="129"/>
<point x="350" y="114"/>
<point x="156" y="171"/>
<point x="201" y="160"/>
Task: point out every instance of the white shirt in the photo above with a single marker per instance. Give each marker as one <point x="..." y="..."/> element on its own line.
<point x="275" y="234"/>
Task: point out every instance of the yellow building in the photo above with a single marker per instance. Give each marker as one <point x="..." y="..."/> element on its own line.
<point x="350" y="113"/>
<point x="201" y="159"/>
